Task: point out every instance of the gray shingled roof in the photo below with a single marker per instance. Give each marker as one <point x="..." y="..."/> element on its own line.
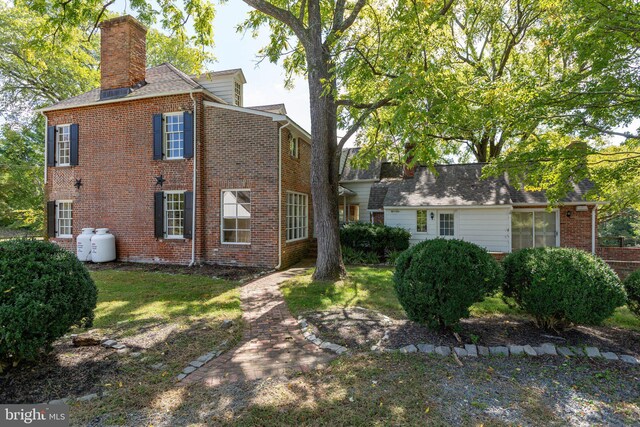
<point x="273" y="108"/>
<point x="164" y="78"/>
<point x="458" y="185"/>
<point x="348" y="173"/>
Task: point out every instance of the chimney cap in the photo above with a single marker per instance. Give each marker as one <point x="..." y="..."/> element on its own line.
<point x="121" y="19"/>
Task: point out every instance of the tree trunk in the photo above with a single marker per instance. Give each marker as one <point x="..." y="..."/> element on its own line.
<point x="324" y="165"/>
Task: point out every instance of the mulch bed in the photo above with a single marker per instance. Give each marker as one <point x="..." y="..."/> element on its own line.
<point x="359" y="328"/>
<point x="234" y="273"/>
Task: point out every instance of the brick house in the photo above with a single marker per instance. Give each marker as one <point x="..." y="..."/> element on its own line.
<point x="176" y="166"/>
<point x="455" y="202"/>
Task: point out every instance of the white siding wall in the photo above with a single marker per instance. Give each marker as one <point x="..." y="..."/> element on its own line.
<point x="222" y="86"/>
<point x="489" y="228"/>
<point x="362" y="190"/>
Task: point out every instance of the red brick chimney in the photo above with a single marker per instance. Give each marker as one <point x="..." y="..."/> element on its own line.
<point x="408" y="170"/>
<point x="123" y="56"/>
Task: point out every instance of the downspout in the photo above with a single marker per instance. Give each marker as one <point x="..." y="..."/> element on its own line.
<point x="593" y="229"/>
<point x="195" y="161"/>
<point x="46" y="145"/>
<point x="277" y="267"/>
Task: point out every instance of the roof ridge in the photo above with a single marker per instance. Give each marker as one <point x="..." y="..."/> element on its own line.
<point x="184" y="76"/>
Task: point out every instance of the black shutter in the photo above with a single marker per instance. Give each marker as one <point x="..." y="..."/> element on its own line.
<point x="51" y="218"/>
<point x="73" y="152"/>
<point x="188" y="215"/>
<point x="158" y="214"/>
<point x="188" y="134"/>
<point x="157" y="137"/>
<point x="51" y="146"/>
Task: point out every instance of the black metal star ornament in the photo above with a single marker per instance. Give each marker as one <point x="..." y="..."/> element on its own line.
<point x="160" y="180"/>
<point x="78" y="183"/>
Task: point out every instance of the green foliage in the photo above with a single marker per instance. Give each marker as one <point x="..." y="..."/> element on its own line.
<point x="44" y="290"/>
<point x="632" y="286"/>
<point x="376" y="241"/>
<point x="438" y="280"/>
<point x="562" y="286"/>
<point x="627" y="224"/>
<point x="355" y="256"/>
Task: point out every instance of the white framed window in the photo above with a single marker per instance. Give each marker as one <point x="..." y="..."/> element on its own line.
<point x="294" y="146"/>
<point x="297" y="216"/>
<point x="236" y="217"/>
<point x="63" y="145"/>
<point x="446" y="224"/>
<point x="64" y="218"/>
<point x="421" y="221"/>
<point x="174" y="214"/>
<point x="238" y="94"/>
<point x="534" y="229"/>
<point x="174" y="135"/>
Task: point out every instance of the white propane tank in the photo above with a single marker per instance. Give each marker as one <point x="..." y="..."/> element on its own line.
<point x="103" y="246"/>
<point x="83" y="244"/>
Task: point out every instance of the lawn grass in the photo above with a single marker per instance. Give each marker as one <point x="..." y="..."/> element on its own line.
<point x="372" y="288"/>
<point x="172" y="319"/>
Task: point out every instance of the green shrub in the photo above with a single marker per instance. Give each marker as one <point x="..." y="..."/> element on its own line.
<point x="438" y="280"/>
<point x="632" y="286"/>
<point x="377" y="238"/>
<point x="44" y="290"/>
<point x="562" y="286"/>
<point x="354" y="256"/>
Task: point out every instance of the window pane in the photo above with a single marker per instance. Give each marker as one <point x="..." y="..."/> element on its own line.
<point x="244" y="236"/>
<point x="421" y="221"/>
<point x="545" y="228"/>
<point x="236" y="212"/>
<point x="174" y="136"/>
<point x="446" y="224"/>
<point x="521" y="230"/>
<point x="244" y="224"/>
<point x="229" y="223"/>
<point x="244" y="197"/>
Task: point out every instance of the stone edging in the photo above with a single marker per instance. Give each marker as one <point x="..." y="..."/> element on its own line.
<point x="472" y="350"/>
<point x="196" y="364"/>
<point x="307" y="332"/>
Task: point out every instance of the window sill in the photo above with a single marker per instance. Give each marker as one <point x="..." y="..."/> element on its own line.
<point x="172" y="159"/>
<point x="297" y="240"/>
<point x="66" y="236"/>
<point x="62" y="166"/>
<point x="236" y="243"/>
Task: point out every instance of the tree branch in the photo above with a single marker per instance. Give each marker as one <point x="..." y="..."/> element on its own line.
<point x="282" y="15"/>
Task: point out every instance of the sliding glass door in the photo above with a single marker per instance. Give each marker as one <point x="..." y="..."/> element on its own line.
<point x="533" y="229"/>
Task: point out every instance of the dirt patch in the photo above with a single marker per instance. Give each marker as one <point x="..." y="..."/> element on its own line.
<point x="360" y="328"/>
<point x="210" y="270"/>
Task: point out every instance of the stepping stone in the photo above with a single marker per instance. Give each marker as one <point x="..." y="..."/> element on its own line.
<point x="609" y="355"/>
<point x="426" y="348"/>
<point x="157" y="366"/>
<point x="118" y="346"/>
<point x="472" y="350"/>
<point x="196" y="363"/>
<point x="499" y="351"/>
<point x="483" y="351"/>
<point x="461" y="352"/>
<point x="206" y="357"/>
<point x="59" y="401"/>
<point x="516" y="349"/>
<point x="564" y="351"/>
<point x="592" y="352"/>
<point x="109" y="343"/>
<point x="530" y="351"/>
<point x="306" y="334"/>
<point x="123" y="350"/>
<point x="539" y="350"/>
<point x="317" y="341"/>
<point x="135" y="354"/>
<point x="409" y="349"/>
<point x="87" y="397"/>
<point x="311" y="337"/>
<point x="578" y="351"/>
<point x="326" y="344"/>
<point x="629" y="359"/>
<point x="341" y="350"/>
<point x="443" y="350"/>
<point x="549" y="348"/>
<point x="226" y="324"/>
<point x="188" y="370"/>
<point x="181" y="377"/>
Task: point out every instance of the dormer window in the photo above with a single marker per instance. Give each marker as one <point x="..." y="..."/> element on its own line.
<point x="238" y="94"/>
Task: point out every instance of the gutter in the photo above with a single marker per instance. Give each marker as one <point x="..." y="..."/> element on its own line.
<point x="277" y="267"/>
<point x="195" y="173"/>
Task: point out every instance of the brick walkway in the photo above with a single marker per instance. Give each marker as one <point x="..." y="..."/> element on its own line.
<point x="272" y="343"/>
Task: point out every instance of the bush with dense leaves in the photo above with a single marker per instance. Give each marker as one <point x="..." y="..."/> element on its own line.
<point x="44" y="290"/>
<point x="379" y="239"/>
<point x="438" y="280"/>
<point x="562" y="286"/>
<point x="632" y="286"/>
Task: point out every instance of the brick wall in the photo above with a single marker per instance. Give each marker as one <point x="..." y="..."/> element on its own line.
<point x="122" y="52"/>
<point x="241" y="153"/>
<point x="623" y="260"/>
<point x="576" y="230"/>
<point x="118" y="175"/>
<point x="296" y="176"/>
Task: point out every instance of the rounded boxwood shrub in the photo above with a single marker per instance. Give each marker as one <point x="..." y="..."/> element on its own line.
<point x="632" y="286"/>
<point x="562" y="286"/>
<point x="44" y="290"/>
<point x="438" y="280"/>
